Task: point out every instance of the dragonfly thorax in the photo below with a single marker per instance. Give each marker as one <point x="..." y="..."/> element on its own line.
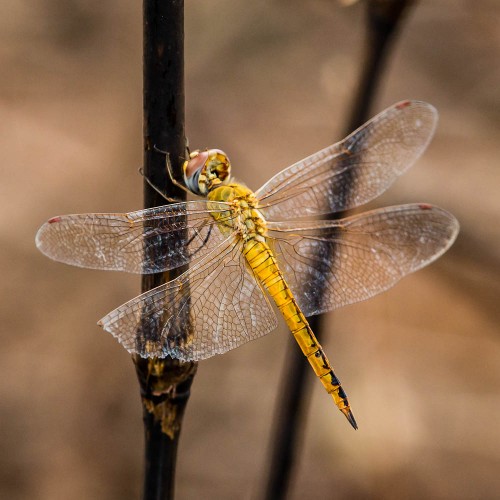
<point x="206" y="170"/>
<point x="244" y="217"/>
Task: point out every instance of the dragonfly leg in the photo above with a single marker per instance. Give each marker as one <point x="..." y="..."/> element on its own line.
<point x="170" y="171"/>
<point x="157" y="189"/>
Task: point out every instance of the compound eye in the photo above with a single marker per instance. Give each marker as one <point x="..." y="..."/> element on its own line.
<point x="205" y="170"/>
<point x="192" y="172"/>
<point x="197" y="160"/>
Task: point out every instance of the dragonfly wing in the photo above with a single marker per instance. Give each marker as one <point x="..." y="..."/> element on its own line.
<point x="329" y="264"/>
<point x="146" y="241"/>
<point x="355" y="170"/>
<point x="219" y="299"/>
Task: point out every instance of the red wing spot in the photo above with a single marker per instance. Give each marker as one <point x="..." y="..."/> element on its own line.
<point x="54" y="219"/>
<point x="403" y="104"/>
<point x="425" y="206"/>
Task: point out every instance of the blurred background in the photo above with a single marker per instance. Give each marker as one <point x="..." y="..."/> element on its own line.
<point x="269" y="82"/>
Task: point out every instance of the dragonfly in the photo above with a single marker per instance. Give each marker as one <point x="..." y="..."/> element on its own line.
<point x="245" y="250"/>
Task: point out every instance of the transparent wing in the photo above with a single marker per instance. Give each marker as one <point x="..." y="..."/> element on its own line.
<point x="355" y="170"/>
<point x="146" y="241"/>
<point x="219" y="298"/>
<point x="329" y="264"/>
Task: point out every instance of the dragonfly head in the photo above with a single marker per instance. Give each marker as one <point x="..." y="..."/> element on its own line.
<point x="206" y="170"/>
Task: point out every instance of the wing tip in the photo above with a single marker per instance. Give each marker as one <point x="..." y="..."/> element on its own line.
<point x="39" y="237"/>
<point x="448" y="217"/>
<point x="447" y="220"/>
<point x="414" y="105"/>
<point x="42" y="237"/>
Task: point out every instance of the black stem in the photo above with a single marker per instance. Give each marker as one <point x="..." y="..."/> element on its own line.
<point x="164" y="383"/>
<point x="383" y="17"/>
<point x="290" y="413"/>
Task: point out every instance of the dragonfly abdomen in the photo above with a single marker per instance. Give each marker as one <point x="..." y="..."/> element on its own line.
<point x="261" y="259"/>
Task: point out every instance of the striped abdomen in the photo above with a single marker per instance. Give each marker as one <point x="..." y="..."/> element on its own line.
<point x="260" y="258"/>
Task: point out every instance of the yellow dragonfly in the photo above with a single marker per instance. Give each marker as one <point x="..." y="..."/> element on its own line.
<point x="244" y="248"/>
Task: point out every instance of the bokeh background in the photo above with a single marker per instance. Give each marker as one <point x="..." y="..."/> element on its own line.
<point x="269" y="82"/>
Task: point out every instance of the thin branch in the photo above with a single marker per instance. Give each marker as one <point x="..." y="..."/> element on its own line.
<point x="164" y="383"/>
<point x="383" y="19"/>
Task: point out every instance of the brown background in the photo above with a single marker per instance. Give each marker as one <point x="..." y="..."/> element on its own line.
<point x="269" y="82"/>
